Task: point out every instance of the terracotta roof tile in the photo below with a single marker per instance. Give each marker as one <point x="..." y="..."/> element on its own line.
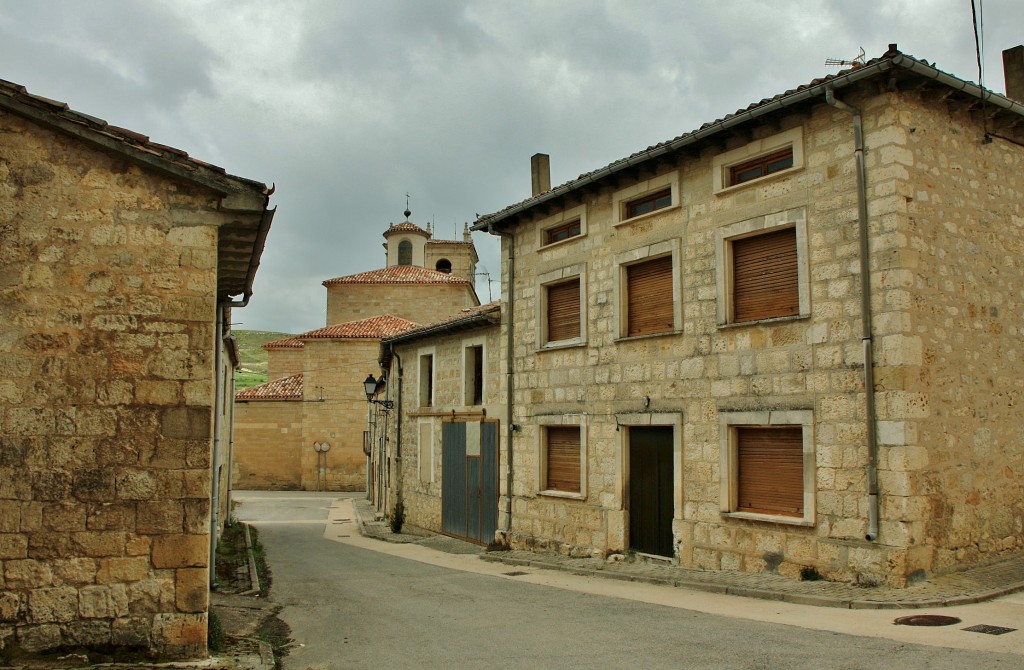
<point x="375" y="327"/>
<point x="285" y="388"/>
<point x="405" y="227"/>
<point x="656" y="149"/>
<point x="466" y="318"/>
<point x="399" y="274"/>
<point x="289" y="342"/>
<point x="17" y="97"/>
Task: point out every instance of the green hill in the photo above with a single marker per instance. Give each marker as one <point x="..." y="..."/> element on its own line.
<point x="253" y="358"/>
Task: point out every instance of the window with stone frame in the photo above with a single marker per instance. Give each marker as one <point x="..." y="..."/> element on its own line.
<point x="563" y="311"/>
<point x="562" y="459"/>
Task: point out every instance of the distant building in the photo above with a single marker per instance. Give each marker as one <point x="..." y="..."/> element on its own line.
<point x="314" y="396"/>
<point x="120" y="262"/>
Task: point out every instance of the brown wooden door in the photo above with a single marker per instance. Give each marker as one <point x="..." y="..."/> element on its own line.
<point x="651" y="490"/>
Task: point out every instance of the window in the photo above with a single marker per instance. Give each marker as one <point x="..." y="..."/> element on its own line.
<point x="568" y="224"/>
<point x="444" y="265"/>
<point x="563" y="311"/>
<point x="646" y="197"/>
<point x="563" y="459"/>
<point x="768" y="462"/>
<point x="562" y="232"/>
<point x="762" y="269"/>
<point x="561" y="307"/>
<point x="647" y="204"/>
<point x="427" y="380"/>
<point x="649" y="300"/>
<point x="773" y="155"/>
<point x="405" y="252"/>
<point x="562" y="455"/>
<point x="761" y="166"/>
<point x="474" y="375"/>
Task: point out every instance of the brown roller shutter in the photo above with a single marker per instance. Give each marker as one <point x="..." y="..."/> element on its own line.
<point x="771" y="470"/>
<point x="564" y="311"/>
<point x="765" y="281"/>
<point x="649" y="294"/>
<point x="563" y="458"/>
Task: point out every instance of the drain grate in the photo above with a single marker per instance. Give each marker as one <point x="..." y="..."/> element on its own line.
<point x="515" y="573"/>
<point x="989" y="630"/>
<point x="926" y="620"/>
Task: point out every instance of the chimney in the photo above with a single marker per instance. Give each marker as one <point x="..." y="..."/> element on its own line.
<point x="1013" y="71"/>
<point x="540" y="173"/>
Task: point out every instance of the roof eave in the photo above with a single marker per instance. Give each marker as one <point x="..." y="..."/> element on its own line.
<point x="490" y="222"/>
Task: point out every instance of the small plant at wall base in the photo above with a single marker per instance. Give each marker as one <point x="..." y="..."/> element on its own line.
<point x="398" y="517"/>
<point x="809" y="574"/>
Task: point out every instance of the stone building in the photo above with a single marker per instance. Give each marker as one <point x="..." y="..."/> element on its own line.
<point x="120" y="262"/>
<point x="435" y="448"/>
<point x="314" y="394"/>
<point x="695" y="327"/>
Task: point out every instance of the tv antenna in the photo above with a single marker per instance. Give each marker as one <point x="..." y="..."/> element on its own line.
<point x="839" y="62"/>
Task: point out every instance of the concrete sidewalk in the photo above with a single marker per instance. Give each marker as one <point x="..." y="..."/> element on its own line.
<point x="962" y="588"/>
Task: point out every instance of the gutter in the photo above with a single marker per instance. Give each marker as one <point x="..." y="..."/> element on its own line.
<point x="838" y="82"/>
<point x="218" y="408"/>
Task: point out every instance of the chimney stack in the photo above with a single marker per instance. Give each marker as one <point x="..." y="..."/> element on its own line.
<point x="1013" y="71"/>
<point x="540" y="173"/>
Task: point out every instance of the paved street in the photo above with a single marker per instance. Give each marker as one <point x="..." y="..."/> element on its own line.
<point x="355" y="602"/>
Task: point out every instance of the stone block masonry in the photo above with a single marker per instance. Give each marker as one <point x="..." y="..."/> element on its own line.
<point x="107" y="309"/>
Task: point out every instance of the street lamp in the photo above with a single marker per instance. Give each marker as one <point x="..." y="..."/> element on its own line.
<point x="370" y="386"/>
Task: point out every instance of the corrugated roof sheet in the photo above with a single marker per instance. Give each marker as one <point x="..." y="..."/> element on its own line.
<point x="375" y="327"/>
<point x="285" y="388"/>
<point x="399" y="274"/>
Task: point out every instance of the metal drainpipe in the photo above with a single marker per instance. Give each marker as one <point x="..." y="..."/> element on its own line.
<point x="865" y="311"/>
<point x="218" y="407"/>
<point x="398" y="427"/>
<point x="509" y="385"/>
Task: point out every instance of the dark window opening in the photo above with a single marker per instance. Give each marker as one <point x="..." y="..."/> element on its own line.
<point x="405" y="252"/>
<point x="649" y="203"/>
<point x="761" y="166"/>
<point x="562" y="232"/>
<point x="444" y="265"/>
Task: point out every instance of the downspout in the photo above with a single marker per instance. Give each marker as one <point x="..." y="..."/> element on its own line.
<point x="865" y="311"/>
<point x="398" y="429"/>
<point x="219" y="383"/>
<point x="218" y="407"/>
<point x="510" y="427"/>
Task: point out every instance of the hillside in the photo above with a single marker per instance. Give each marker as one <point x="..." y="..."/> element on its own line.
<point x="253" y="366"/>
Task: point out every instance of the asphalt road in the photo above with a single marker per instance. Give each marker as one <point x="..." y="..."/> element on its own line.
<point x="354" y="602"/>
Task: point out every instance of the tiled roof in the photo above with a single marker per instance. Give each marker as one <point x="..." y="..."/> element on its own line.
<point x="375" y="327"/>
<point x="889" y="61"/>
<point x="448" y="242"/>
<point x="470" y="317"/>
<point x="289" y="342"/>
<point x="399" y="274"/>
<point x="405" y="227"/>
<point x="285" y="388"/>
<point x="16" y="95"/>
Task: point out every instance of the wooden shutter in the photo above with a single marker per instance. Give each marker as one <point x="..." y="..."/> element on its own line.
<point x="771" y="470"/>
<point x="765" y="277"/>
<point x="563" y="459"/>
<point x="649" y="295"/>
<point x="564" y="311"/>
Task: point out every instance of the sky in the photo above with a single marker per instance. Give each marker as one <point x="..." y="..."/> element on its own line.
<point x="346" y="106"/>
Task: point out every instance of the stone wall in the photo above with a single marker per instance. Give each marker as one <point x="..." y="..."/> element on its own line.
<point x="945" y="227"/>
<point x="420" y="303"/>
<point x="284" y="362"/>
<point x="268" y="440"/>
<point x="421" y="462"/>
<point x="107" y="305"/>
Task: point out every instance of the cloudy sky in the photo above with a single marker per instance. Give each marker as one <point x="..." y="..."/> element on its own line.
<point x="348" y="105"/>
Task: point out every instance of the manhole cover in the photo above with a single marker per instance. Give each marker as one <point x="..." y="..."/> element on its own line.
<point x="926" y="620"/>
<point x="989" y="630"/>
<point x="515" y="574"/>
